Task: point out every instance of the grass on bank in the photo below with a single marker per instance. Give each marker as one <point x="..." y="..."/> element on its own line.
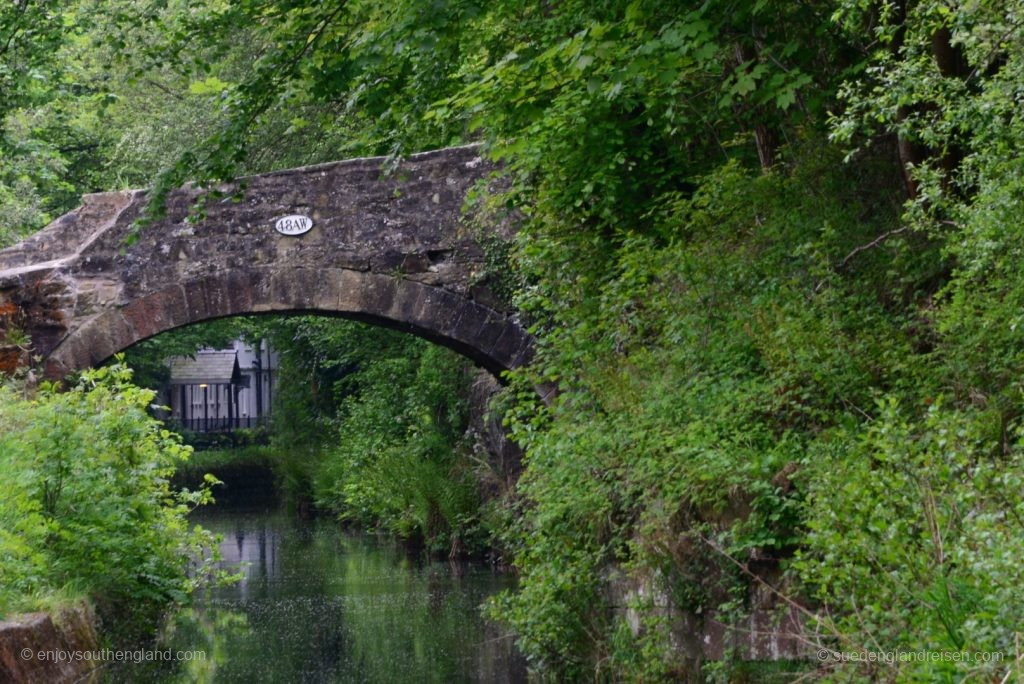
<point x="210" y="460"/>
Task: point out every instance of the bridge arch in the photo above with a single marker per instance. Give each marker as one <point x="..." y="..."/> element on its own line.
<point x="489" y="338"/>
<point x="392" y="247"/>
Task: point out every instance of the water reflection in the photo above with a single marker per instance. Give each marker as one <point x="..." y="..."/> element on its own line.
<point x="317" y="604"/>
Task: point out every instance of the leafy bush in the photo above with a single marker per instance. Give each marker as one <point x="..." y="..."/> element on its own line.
<point x="370" y="422"/>
<point x="87" y="507"/>
<point x="398" y="461"/>
<point x="915" y="534"/>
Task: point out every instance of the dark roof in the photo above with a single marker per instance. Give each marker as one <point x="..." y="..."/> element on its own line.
<point x="210" y="367"/>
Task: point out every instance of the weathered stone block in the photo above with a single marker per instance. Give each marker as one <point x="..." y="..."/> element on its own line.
<point x="240" y="287"/>
<point x="206" y="298"/>
<point x="415" y="263"/>
<point x="508" y="345"/>
<point x="467" y="327"/>
<point x="106" y="335"/>
<point x="155" y="313"/>
<point x="376" y="295"/>
<point x="490" y="331"/>
<point x="25" y="639"/>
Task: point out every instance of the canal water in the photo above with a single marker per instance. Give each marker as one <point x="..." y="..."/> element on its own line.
<point x="317" y="603"/>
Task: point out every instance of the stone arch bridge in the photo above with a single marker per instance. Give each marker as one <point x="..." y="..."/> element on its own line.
<point x="388" y="247"/>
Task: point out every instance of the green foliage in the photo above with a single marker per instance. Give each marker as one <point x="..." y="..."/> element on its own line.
<point x="374" y="423"/>
<point x="202" y="462"/>
<point x="87" y="506"/>
<point x="705" y="369"/>
<point x="927" y="503"/>
<point x="399" y="462"/>
<point x="764" y="344"/>
<point x="50" y="113"/>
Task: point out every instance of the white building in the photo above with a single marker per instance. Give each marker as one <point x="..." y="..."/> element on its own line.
<point x="223" y="389"/>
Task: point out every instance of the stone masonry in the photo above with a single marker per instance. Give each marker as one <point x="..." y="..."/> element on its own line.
<point x="392" y="248"/>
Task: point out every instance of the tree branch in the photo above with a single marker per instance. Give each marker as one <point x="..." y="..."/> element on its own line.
<point x="161" y="86"/>
<point x="22" y="11"/>
<point x="874" y="243"/>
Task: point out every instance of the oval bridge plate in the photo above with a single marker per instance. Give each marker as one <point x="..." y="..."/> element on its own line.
<point x="294" y="224"/>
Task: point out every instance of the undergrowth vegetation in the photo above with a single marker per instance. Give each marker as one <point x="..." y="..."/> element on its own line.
<point x="87" y="509"/>
<point x="372" y="425"/>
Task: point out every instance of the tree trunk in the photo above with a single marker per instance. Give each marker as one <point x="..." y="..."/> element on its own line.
<point x="764" y="138"/>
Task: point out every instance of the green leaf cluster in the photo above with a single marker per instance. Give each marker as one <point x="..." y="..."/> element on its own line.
<point x="87" y="507"/>
<point x="371" y="424"/>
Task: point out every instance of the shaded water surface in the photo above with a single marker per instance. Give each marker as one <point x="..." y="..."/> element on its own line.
<point x="320" y="604"/>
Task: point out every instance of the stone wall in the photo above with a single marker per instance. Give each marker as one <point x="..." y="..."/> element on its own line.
<point x="29" y="644"/>
<point x="769" y="622"/>
<point x="502" y="455"/>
